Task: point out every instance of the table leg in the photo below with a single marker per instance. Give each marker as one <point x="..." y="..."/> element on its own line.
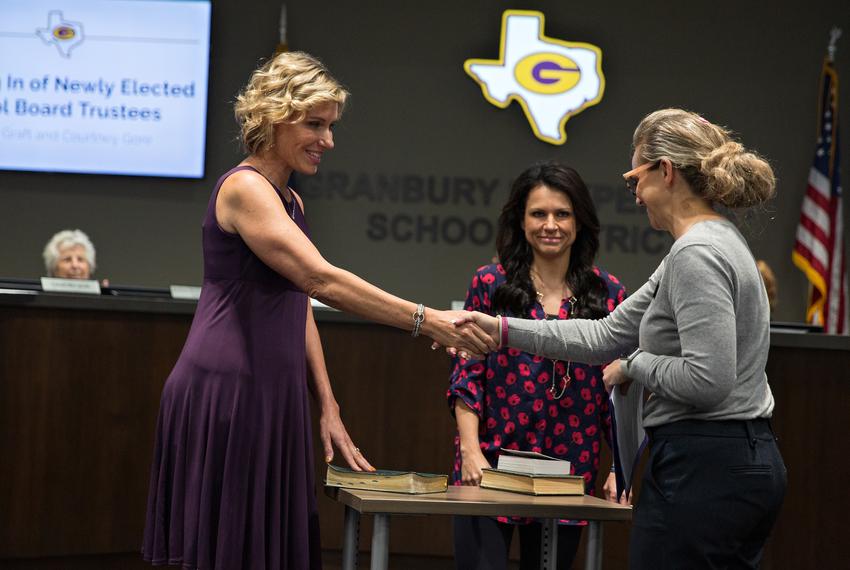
<point x="593" y="560"/>
<point x="350" y="539"/>
<point x="549" y="545"/>
<point x="380" y="541"/>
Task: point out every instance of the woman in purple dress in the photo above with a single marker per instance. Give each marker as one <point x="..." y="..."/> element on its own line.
<point x="232" y="482"/>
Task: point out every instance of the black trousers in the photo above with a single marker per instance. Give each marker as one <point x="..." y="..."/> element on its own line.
<point x="483" y="543"/>
<point x="710" y="495"/>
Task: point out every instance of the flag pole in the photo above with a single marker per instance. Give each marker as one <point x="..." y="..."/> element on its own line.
<point x="827" y="303"/>
<point x="283" y="41"/>
<point x="834" y="34"/>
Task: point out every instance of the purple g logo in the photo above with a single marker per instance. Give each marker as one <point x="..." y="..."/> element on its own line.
<point x="64" y="33"/>
<point x="547" y="73"/>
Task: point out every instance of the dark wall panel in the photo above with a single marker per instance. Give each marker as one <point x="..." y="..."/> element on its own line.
<point x="79" y="392"/>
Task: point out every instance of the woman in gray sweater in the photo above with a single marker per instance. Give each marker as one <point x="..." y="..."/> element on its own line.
<point x="696" y="338"/>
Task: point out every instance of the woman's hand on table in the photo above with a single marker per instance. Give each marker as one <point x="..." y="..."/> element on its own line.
<point x="471" y="465"/>
<point x="333" y="434"/>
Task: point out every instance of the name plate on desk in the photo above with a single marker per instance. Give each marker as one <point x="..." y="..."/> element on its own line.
<point x="58" y="285"/>
<point x="188" y="292"/>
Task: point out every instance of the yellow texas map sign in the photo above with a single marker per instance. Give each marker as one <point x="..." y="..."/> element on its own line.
<point x="551" y="79"/>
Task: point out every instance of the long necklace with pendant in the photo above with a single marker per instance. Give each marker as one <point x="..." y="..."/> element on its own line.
<point x="566" y="379"/>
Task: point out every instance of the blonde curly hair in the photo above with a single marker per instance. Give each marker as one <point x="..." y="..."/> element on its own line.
<point x="283" y="90"/>
<point x="717" y="168"/>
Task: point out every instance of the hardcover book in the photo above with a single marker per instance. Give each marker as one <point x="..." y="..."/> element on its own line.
<point x="409" y="482"/>
<point x="531" y="462"/>
<point x="532" y="484"/>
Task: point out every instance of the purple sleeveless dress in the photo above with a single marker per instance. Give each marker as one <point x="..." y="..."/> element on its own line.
<point x="232" y="477"/>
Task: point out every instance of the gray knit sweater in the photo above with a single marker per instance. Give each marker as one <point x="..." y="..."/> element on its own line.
<point x="701" y="321"/>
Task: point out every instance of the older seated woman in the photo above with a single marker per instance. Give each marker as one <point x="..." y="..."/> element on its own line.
<point x="70" y="255"/>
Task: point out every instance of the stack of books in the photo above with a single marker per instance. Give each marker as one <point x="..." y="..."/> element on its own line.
<point x="533" y="474"/>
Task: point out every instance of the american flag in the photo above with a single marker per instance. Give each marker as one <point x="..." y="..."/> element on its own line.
<point x="819" y="248"/>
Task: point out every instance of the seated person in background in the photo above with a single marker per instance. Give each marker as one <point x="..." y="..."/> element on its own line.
<point x="70" y="255"/>
<point x="769" y="280"/>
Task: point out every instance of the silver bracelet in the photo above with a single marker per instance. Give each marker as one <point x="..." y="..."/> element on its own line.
<point x="418" y="319"/>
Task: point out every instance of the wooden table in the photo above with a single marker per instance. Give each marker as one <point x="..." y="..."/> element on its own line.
<point x="477" y="502"/>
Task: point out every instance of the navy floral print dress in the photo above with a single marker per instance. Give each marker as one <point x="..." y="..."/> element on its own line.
<point x="510" y="392"/>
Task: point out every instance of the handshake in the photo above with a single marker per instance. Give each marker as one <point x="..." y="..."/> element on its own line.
<point x="469" y="334"/>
